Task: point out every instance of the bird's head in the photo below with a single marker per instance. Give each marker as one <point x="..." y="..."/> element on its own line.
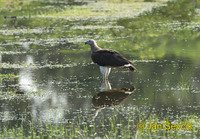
<point x="91" y="42"/>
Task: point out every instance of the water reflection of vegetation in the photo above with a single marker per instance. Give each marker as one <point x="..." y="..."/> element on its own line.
<point x="169" y="29"/>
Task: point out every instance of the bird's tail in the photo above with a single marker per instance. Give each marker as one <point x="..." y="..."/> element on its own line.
<point x="132" y="68"/>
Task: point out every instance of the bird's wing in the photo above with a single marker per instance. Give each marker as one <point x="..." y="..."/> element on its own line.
<point x="107" y="57"/>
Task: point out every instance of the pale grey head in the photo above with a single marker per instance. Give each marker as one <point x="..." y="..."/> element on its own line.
<point x="93" y="45"/>
<point x="91" y="42"/>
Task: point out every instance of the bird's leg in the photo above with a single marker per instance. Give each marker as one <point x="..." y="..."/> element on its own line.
<point x="105" y="72"/>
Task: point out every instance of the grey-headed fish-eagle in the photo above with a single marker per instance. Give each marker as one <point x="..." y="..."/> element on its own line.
<point x="107" y="59"/>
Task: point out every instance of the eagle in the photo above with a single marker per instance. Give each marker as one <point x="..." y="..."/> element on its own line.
<point x="107" y="59"/>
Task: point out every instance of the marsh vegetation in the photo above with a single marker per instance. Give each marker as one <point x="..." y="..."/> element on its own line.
<point x="49" y="87"/>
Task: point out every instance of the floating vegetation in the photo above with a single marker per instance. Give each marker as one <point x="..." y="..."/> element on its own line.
<point x="21" y="31"/>
<point x="35" y="66"/>
<point x="11" y="52"/>
<point x="96" y="27"/>
<point x="10" y="75"/>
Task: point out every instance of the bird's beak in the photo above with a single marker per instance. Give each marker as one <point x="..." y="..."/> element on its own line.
<point x="86" y="42"/>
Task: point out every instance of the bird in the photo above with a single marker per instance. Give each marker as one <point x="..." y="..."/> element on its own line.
<point x="107" y="59"/>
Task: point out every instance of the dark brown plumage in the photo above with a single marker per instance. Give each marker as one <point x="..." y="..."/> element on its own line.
<point x="111" y="58"/>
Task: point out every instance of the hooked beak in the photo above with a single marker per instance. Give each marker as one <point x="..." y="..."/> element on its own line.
<point x="86" y="43"/>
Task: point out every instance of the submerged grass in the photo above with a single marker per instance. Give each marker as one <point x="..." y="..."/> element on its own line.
<point x="9" y="76"/>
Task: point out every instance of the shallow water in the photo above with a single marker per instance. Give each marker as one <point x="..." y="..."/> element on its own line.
<point x="67" y="88"/>
<point x="46" y="70"/>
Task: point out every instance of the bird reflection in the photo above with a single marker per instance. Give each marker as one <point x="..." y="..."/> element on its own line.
<point x="109" y="97"/>
<point x="105" y="86"/>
